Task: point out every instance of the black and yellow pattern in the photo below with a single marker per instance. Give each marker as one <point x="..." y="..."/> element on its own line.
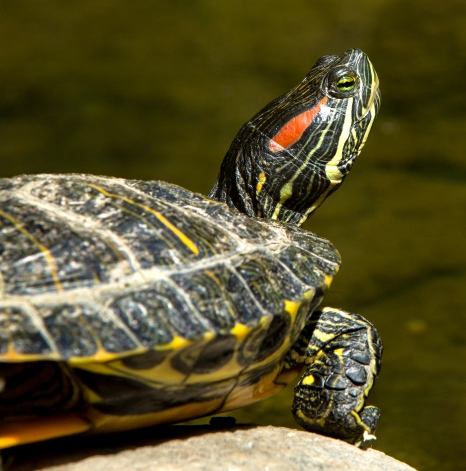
<point x="128" y="303"/>
<point x="342" y="358"/>
<point x="298" y="149"/>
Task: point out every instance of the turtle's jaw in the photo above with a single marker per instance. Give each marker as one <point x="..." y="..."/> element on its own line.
<point x="363" y="113"/>
<point x="361" y="128"/>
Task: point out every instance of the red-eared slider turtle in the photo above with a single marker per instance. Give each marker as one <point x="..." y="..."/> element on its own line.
<point x="128" y="303"/>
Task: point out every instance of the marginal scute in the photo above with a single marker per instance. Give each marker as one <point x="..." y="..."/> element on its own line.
<point x="81" y="330"/>
<point x="306" y="266"/>
<point x="19" y="336"/>
<point x="208" y="290"/>
<point x="299" y="312"/>
<point x="155" y="314"/>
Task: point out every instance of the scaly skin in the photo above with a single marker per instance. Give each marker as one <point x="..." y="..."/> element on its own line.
<point x="342" y="353"/>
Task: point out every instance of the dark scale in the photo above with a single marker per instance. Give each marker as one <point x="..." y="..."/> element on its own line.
<point x="126" y="303"/>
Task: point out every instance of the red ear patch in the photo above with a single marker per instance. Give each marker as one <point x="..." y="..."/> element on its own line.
<point x="291" y="131"/>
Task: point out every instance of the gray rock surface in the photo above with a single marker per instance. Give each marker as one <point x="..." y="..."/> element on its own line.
<point x="193" y="448"/>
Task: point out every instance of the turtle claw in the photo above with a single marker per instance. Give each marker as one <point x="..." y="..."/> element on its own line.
<point x="366" y="441"/>
<point x="370" y="416"/>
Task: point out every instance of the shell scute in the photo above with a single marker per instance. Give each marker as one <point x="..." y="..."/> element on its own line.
<point x="73" y="336"/>
<point x="41" y="254"/>
<point x="85" y="330"/>
<point x="20" y="336"/>
<point x="168" y="192"/>
<point x="306" y="266"/>
<point x="269" y="280"/>
<point x="208" y="291"/>
<point x="157" y="231"/>
<point x="157" y="313"/>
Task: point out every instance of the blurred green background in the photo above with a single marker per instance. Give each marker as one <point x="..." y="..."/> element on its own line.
<point x="158" y="89"/>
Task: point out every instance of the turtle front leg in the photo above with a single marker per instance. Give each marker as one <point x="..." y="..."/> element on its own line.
<point x="342" y="354"/>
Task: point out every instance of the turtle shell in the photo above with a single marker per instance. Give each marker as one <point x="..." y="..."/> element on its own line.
<point x="148" y="287"/>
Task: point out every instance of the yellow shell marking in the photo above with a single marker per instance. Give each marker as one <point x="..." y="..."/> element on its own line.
<point x="176" y="344"/>
<point x="45" y="251"/>
<point x="328" y="280"/>
<point x="292" y="307"/>
<point x="240" y="331"/>
<point x="44" y="428"/>
<point x="183" y="238"/>
<point x="12" y="356"/>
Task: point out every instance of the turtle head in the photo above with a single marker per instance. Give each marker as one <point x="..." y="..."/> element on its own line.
<point x="297" y="150"/>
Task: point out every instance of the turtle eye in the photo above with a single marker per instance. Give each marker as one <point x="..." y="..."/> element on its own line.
<point x="341" y="83"/>
<point x="346" y="84"/>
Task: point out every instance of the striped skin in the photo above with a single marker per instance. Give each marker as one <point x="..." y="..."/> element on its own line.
<point x="127" y="303"/>
<point x="342" y="354"/>
<point x="299" y="148"/>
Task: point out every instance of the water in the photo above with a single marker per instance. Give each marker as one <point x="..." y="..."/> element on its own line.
<point x="157" y="90"/>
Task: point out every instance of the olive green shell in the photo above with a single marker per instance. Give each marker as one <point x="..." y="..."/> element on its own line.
<point x="95" y="268"/>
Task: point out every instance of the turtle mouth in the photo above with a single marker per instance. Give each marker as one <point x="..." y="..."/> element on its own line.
<point x="374" y="102"/>
<point x="362" y="127"/>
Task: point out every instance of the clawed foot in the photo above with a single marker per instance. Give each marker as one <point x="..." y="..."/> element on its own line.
<point x="343" y="359"/>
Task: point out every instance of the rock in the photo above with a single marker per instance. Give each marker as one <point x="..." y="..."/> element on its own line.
<point x="195" y="447"/>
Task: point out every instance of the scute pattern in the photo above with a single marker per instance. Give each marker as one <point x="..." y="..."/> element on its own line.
<point x="94" y="265"/>
<point x="20" y="334"/>
<point x="156" y="313"/>
<point x="99" y="329"/>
